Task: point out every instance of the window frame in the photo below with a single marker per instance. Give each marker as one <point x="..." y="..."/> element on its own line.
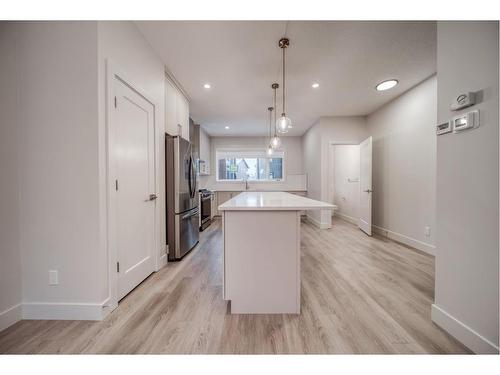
<point x="259" y="151"/>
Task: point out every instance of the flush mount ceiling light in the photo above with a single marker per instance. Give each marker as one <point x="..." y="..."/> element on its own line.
<point x="386" y="85"/>
<point x="315" y="85"/>
<point x="283" y="122"/>
<point x="226" y="127"/>
<point x="207" y="85"/>
<point x="275" y="140"/>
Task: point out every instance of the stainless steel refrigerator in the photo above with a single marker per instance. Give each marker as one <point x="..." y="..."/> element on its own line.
<point x="182" y="197"/>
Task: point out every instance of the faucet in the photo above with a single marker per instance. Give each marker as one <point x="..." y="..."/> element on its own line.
<point x="246" y="183"/>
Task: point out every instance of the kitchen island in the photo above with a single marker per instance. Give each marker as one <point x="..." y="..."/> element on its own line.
<point x="261" y="251"/>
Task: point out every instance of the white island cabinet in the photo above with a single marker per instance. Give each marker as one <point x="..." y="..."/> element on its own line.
<point x="261" y="255"/>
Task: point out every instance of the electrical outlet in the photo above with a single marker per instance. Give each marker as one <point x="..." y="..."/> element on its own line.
<point x="53" y="277"/>
<point x="427" y="231"/>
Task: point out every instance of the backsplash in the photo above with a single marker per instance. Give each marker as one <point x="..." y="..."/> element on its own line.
<point x="292" y="182"/>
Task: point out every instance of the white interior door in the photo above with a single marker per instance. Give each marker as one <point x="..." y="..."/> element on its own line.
<point x="365" y="186"/>
<point x="133" y="154"/>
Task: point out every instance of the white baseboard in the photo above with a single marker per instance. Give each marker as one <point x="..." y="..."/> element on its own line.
<point x="419" y="245"/>
<point x="163" y="260"/>
<point x="10" y="316"/>
<point x="317" y="223"/>
<point x="64" y="311"/>
<point x="345" y="217"/>
<point x="463" y="333"/>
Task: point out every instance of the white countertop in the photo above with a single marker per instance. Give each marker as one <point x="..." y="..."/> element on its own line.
<point x="272" y="201"/>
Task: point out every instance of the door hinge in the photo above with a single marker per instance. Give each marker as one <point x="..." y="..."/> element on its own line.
<point x="116" y="184"/>
<point x="116" y="104"/>
<point x="117" y="266"/>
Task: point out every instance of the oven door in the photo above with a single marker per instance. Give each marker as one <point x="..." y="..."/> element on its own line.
<point x="206" y="206"/>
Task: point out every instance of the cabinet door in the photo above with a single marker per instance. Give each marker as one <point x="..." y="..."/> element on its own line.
<point x="182" y="112"/>
<point x="205" y="150"/>
<point x="185" y="128"/>
<point x="171" y="109"/>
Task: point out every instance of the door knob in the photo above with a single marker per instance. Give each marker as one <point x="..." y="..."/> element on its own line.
<point x="152" y="197"/>
<point x="368" y="191"/>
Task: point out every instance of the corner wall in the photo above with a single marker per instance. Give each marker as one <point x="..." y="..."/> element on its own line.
<point x="404" y="166"/>
<point x="121" y="44"/>
<point x="57" y="164"/>
<point x="10" y="252"/>
<point x="467" y="284"/>
<point x="53" y="185"/>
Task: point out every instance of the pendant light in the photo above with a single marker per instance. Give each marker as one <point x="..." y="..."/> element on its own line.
<point x="270" y="149"/>
<point x="284" y="122"/>
<point x="275" y="140"/>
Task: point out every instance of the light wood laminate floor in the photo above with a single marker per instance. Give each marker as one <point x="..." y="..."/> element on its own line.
<point x="359" y="295"/>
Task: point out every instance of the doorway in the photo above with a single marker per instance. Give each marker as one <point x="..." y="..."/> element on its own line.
<point x="350" y="178"/>
<point x="132" y="186"/>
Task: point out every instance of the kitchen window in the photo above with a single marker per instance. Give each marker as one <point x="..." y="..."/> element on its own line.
<point x="251" y="165"/>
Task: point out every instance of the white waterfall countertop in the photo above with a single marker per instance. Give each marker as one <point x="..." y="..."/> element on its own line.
<point x="272" y="201"/>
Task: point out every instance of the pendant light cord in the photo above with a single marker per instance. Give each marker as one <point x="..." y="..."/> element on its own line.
<point x="275" y="112"/>
<point x="284" y="81"/>
<point x="270" y="121"/>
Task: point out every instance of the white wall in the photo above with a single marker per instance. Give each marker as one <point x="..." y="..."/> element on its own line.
<point x="316" y="156"/>
<point x="53" y="159"/>
<point x="467" y="284"/>
<point x="292" y="147"/>
<point x="404" y="165"/>
<point x="345" y="182"/>
<point x="10" y="254"/>
<point x="123" y="45"/>
<point x="58" y="158"/>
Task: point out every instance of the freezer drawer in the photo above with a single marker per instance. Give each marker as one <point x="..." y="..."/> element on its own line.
<point x="187" y="232"/>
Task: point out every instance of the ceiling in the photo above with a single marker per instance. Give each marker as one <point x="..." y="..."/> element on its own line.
<point x="240" y="59"/>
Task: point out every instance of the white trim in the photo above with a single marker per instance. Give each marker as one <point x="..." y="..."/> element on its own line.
<point x="10" y="316"/>
<point x="260" y="153"/>
<point x="463" y="333"/>
<point x="317" y="223"/>
<point x="412" y="242"/>
<point x="163" y="260"/>
<point x="112" y="71"/>
<point x="64" y="311"/>
<point x="345" y="217"/>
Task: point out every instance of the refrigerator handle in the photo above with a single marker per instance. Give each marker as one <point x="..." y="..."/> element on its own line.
<point x="190" y="175"/>
<point x="193" y="183"/>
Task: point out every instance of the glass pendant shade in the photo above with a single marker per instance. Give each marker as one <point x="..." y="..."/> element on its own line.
<point x="283" y="124"/>
<point x="270" y="150"/>
<point x="275" y="142"/>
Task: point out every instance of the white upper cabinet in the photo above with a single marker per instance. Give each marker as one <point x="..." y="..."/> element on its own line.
<point x="204" y="153"/>
<point x="177" y="111"/>
<point x="183" y="115"/>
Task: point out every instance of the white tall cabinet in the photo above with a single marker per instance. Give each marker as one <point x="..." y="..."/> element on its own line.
<point x="177" y="108"/>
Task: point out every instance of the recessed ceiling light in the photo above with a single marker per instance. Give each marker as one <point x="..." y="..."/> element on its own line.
<point x="226" y="127"/>
<point x="207" y="85"/>
<point x="315" y="85"/>
<point x="386" y="85"/>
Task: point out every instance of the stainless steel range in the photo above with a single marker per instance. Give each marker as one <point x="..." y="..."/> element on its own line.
<point x="205" y="198"/>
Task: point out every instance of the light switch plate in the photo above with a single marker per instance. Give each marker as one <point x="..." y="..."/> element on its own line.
<point x="53" y="277"/>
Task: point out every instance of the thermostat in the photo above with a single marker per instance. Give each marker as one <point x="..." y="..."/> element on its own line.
<point x="463" y="101"/>
<point x="466" y="121"/>
<point x="444" y="128"/>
